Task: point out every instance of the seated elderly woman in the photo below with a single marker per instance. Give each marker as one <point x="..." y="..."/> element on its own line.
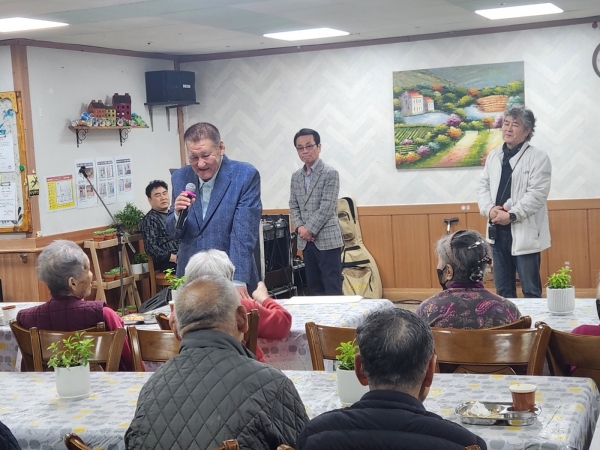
<point x="465" y="303"/>
<point x="65" y="269"/>
<point x="274" y="322"/>
<point x="589" y="329"/>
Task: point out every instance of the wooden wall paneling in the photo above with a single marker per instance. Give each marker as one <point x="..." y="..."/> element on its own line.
<point x="569" y="233"/>
<point x="475" y="221"/>
<point x="19" y="280"/>
<point x="437" y="228"/>
<point x="410" y="235"/>
<point x="594" y="244"/>
<point x="377" y="237"/>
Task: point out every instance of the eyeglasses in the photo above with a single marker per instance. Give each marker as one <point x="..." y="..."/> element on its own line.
<point x="306" y="147"/>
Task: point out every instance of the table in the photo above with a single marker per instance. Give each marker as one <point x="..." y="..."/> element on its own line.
<point x="39" y="419"/>
<point x="10" y="356"/>
<point x="537" y="308"/>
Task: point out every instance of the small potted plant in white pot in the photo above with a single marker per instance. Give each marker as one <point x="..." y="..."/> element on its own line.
<point x="137" y="264"/>
<point x="560" y="292"/>
<point x="176" y="283"/>
<point x="349" y="388"/>
<point x="70" y="361"/>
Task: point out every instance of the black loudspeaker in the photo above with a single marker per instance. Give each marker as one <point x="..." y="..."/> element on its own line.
<point x="170" y="86"/>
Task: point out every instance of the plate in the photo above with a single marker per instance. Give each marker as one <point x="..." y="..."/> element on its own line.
<point x="503" y="414"/>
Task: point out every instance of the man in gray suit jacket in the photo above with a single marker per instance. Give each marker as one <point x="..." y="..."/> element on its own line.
<point x="313" y="207"/>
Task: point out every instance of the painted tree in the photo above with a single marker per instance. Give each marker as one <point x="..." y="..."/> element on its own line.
<point x="454" y="133"/>
<point x="488" y="122"/>
<point x="453" y="120"/>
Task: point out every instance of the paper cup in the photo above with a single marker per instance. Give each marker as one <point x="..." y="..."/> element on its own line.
<point x="9" y="313"/>
<point x="523" y="396"/>
<point x="172" y="305"/>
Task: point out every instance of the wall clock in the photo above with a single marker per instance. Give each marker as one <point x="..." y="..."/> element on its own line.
<point x="596" y="60"/>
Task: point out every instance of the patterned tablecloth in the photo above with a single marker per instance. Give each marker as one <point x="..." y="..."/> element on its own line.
<point x="537" y="308"/>
<point x="10" y="356"/>
<point x="568" y="418"/>
<point x="39" y="419"/>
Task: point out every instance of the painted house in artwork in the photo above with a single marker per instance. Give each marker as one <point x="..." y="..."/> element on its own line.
<point x="111" y="113"/>
<point x="97" y="108"/>
<point x="412" y="103"/>
<point x="122" y="104"/>
<point x="428" y="102"/>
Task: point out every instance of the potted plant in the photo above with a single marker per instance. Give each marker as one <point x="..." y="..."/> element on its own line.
<point x="98" y="235"/>
<point x="560" y="292"/>
<point x="108" y="276"/>
<point x="70" y="361"/>
<point x="130" y="217"/>
<point x="137" y="264"/>
<point x="129" y="309"/>
<point x="349" y="388"/>
<point x="176" y="282"/>
<point x="109" y="233"/>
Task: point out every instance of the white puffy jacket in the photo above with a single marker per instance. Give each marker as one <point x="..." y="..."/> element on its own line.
<point x="530" y="186"/>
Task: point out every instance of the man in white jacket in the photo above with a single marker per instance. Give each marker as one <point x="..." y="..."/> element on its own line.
<point x="512" y="194"/>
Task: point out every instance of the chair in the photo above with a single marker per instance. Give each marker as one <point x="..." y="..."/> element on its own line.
<point x="231" y="444"/>
<point x="473" y="447"/>
<point x="522" y="324"/>
<point x="488" y="351"/>
<point x="323" y="342"/>
<point x="151" y="345"/>
<point x="285" y="447"/>
<point x="163" y="321"/>
<point x="574" y="355"/>
<point x="74" y="442"/>
<point x="251" y="336"/>
<point x="157" y="278"/>
<point x="106" y="350"/>
<point x="23" y="337"/>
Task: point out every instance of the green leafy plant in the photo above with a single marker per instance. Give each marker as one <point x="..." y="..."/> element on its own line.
<point x="176" y="282"/>
<point x="74" y="351"/>
<point x="126" y="309"/>
<point x="140" y="258"/>
<point x="560" y="279"/>
<point x="346" y="350"/>
<point x="130" y="217"/>
<point x="110" y="230"/>
<point x="98" y="233"/>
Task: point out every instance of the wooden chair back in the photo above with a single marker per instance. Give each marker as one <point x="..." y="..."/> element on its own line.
<point x="231" y="444"/>
<point x="285" y="447"/>
<point x="106" y="349"/>
<point x="163" y="321"/>
<point x="567" y="351"/>
<point x="473" y="447"/>
<point x="323" y="342"/>
<point x="489" y="351"/>
<point x="23" y="337"/>
<point x="74" y="442"/>
<point x="522" y="324"/>
<point x="251" y="336"/>
<point x="156" y="278"/>
<point x="151" y="345"/>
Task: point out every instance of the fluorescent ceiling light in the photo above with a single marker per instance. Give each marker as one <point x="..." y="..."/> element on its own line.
<point x="21" y="24"/>
<point x="519" y="11"/>
<point x="300" y="35"/>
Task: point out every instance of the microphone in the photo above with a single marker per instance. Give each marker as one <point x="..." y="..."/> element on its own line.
<point x="83" y="172"/>
<point x="190" y="190"/>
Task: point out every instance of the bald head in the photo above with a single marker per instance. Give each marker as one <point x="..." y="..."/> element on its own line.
<point x="210" y="303"/>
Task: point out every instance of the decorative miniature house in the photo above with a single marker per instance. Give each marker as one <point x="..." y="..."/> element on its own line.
<point x="111" y="113"/>
<point x="122" y="105"/>
<point x="97" y="108"/>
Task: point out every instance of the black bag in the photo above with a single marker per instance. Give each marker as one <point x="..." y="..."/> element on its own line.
<point x="162" y="298"/>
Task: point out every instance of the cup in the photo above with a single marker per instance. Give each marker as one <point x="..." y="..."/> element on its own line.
<point x="9" y="313"/>
<point x="172" y="305"/>
<point x="523" y="396"/>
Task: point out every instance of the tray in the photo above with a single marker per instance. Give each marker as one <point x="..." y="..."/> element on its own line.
<point x="139" y="319"/>
<point x="504" y="414"/>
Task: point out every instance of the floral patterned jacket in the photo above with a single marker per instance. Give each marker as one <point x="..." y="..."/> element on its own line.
<point x="467" y="305"/>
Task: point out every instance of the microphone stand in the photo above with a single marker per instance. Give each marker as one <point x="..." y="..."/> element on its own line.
<point x="120" y="237"/>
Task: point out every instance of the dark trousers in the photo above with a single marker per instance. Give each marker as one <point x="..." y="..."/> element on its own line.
<point x="506" y="266"/>
<point x="323" y="270"/>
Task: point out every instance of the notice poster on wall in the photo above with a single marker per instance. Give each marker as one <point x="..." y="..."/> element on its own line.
<point x="107" y="179"/>
<point x="86" y="198"/>
<point x="124" y="179"/>
<point x="61" y="193"/>
<point x="7" y="154"/>
<point x="8" y="201"/>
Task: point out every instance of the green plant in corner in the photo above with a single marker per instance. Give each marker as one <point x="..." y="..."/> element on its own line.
<point x="130" y="217"/>
<point x="176" y="282"/>
<point x="140" y="258"/>
<point x="560" y="279"/>
<point x="346" y="350"/>
<point x="74" y="351"/>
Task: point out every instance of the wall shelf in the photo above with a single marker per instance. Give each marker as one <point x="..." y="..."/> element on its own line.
<point x="168" y="106"/>
<point x="82" y="131"/>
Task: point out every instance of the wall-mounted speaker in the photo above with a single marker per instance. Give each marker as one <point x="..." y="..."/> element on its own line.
<point x="170" y="86"/>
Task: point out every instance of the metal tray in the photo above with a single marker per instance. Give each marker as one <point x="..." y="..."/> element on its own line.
<point x="503" y="414"/>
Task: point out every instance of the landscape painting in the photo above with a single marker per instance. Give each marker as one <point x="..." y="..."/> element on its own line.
<point x="452" y="116"/>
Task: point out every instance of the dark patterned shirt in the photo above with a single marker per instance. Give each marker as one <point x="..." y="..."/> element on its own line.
<point x="156" y="241"/>
<point x="467" y="305"/>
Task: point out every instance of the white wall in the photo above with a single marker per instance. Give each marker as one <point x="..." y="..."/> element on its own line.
<point x="6" y="76"/>
<point x="62" y="84"/>
<point x="346" y="95"/>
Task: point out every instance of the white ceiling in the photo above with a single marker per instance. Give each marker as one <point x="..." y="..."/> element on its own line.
<point x="184" y="27"/>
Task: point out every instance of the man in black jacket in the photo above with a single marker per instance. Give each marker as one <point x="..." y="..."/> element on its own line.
<point x="215" y="389"/>
<point x="397" y="361"/>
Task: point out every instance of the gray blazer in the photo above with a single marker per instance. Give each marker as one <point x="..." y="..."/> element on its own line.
<point x="317" y="208"/>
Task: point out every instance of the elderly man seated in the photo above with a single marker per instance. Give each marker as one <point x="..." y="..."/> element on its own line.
<point x="397" y="361"/>
<point x="215" y="389"/>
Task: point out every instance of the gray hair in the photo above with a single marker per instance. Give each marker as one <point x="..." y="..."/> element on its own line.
<point x="525" y="115"/>
<point x="210" y="262"/>
<point x="395" y="347"/>
<point x="58" y="262"/>
<point x="202" y="130"/>
<point x="207" y="303"/>
<point x="467" y="252"/>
